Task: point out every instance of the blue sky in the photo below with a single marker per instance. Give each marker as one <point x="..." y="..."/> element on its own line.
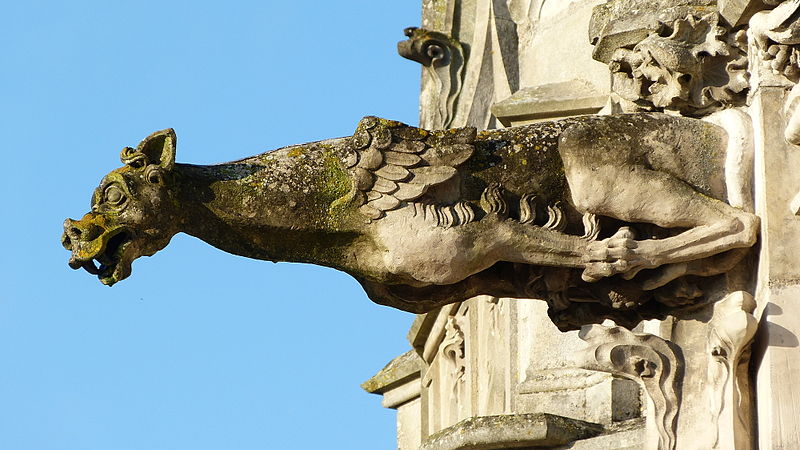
<point x="198" y="349"/>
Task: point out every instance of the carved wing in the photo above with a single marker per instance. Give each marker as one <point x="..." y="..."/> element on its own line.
<point x="393" y="163"/>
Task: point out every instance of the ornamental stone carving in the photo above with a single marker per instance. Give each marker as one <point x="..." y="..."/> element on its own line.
<point x="691" y="65"/>
<point x="445" y="380"/>
<point x="645" y="212"/>
<point x="443" y="59"/>
<point x="776" y="34"/>
<point x="731" y="332"/>
<point x="424" y="218"/>
<point x="646" y="359"/>
<point x="733" y="63"/>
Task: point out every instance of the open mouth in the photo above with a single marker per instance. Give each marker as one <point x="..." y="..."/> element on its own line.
<point x="106" y="263"/>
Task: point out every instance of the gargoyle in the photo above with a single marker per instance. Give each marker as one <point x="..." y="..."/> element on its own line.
<point x="602" y="216"/>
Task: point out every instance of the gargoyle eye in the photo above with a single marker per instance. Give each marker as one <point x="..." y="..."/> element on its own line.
<point x="153" y="174"/>
<point x="114" y="195"/>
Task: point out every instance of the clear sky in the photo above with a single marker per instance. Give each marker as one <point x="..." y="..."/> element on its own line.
<point x="199" y="349"/>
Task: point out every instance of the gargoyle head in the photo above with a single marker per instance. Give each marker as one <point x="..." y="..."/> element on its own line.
<point x="428" y="48"/>
<point x="133" y="212"/>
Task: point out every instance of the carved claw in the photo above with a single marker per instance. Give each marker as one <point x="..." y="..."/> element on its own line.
<point x="612" y="256"/>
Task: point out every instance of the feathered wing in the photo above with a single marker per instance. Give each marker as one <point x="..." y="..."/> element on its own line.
<point x="393" y="163"/>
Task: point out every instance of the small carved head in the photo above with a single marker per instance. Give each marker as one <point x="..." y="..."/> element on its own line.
<point x="133" y="212"/>
<point x="428" y="48"/>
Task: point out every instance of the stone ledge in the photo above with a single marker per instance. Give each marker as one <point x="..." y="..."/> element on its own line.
<point x="568" y="98"/>
<point x="400" y="370"/>
<point x="595" y="397"/>
<point x="511" y="431"/>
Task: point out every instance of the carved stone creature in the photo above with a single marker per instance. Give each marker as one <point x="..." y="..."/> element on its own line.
<point x="423" y="218"/>
<point x="443" y="59"/>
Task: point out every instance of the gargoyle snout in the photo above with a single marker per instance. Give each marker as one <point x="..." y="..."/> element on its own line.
<point x="76" y="230"/>
<point x="75" y="233"/>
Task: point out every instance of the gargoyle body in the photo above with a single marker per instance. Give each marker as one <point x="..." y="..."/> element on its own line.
<point x="602" y="216"/>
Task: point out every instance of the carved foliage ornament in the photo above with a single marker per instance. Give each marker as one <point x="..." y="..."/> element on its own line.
<point x="647" y="359"/>
<point x="693" y="66"/>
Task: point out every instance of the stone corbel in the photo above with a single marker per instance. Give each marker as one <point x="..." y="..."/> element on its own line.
<point x="731" y="331"/>
<point x="443" y="60"/>
<point x="652" y="362"/>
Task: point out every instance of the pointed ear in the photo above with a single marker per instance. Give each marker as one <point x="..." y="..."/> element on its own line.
<point x="159" y="148"/>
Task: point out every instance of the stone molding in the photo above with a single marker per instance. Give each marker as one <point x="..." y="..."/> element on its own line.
<point x="511" y="431"/>
<point x="398" y="381"/>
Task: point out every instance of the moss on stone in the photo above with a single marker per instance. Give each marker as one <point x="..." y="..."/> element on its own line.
<point x="294" y="153"/>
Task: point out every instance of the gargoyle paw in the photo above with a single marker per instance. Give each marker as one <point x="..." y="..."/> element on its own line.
<point x="612" y="256"/>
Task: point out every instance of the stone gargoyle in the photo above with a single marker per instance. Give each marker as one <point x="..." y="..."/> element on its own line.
<point x="601" y="216"/>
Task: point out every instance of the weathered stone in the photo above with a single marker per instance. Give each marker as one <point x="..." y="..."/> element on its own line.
<point x="511" y="431"/>
<point x="690" y="64"/>
<point x="649" y="360"/>
<point x="400" y="385"/>
<point x="628" y="436"/>
<point x="580" y="394"/>
<point x="409" y="428"/>
<point x="738" y="12"/>
<point x="537" y="103"/>
<point x="443" y="59"/>
<point x="775" y="45"/>
<point x="732" y="329"/>
<point x="438" y="238"/>
<point x="775" y="352"/>
<point x="399" y="370"/>
<point x="624" y="23"/>
<point x="712" y="340"/>
<point x="550" y="57"/>
<point x="623" y="217"/>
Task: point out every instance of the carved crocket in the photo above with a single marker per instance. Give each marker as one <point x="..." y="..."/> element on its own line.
<point x="603" y="212"/>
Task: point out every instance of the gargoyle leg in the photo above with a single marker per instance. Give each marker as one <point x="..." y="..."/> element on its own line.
<point x="659" y="198"/>
<point x="522" y="243"/>
<point x="705" y="267"/>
